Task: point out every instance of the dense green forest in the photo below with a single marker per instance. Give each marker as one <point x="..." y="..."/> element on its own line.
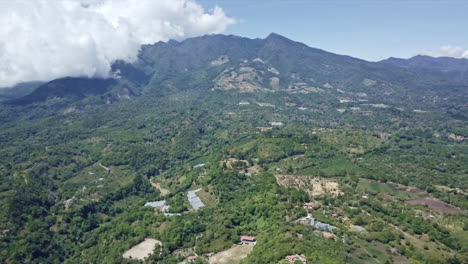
<point x="388" y="172"/>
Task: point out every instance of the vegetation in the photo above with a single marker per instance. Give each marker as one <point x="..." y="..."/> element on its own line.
<point x="77" y="169"/>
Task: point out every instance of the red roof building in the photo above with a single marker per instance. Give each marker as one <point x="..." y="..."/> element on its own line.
<point x="248" y="239"/>
<point x="191" y="258"/>
<point x="328" y="235"/>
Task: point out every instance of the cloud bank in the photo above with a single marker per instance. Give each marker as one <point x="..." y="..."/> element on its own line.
<point x="47" y="39"/>
<point x="447" y="51"/>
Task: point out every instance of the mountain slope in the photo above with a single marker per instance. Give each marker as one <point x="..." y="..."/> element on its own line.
<point x="447" y="71"/>
<point x="275" y="63"/>
<point x="421" y="62"/>
<point x="316" y="154"/>
<point x="17" y="91"/>
<point x="70" y="88"/>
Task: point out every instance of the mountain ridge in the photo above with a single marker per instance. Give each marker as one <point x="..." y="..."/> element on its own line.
<point x="331" y="158"/>
<point x="429" y="63"/>
<point x="275" y="63"/>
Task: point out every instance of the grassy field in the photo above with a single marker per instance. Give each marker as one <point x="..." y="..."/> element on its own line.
<point x="208" y="199"/>
<point x="375" y="187"/>
<point x="371" y="252"/>
<point x="233" y="255"/>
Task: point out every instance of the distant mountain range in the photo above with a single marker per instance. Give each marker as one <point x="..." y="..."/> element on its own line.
<point x="17" y="91"/>
<point x="273" y="64"/>
<point x="421" y="62"/>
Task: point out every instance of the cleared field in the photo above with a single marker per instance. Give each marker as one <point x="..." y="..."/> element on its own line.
<point x="314" y="186"/>
<point x="142" y="250"/>
<point x="436" y="205"/>
<point x="395" y="190"/>
<point x="162" y="190"/>
<point x="233" y="255"/>
<point x="206" y="197"/>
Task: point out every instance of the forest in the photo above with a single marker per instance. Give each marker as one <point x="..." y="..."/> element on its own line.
<point x="329" y="169"/>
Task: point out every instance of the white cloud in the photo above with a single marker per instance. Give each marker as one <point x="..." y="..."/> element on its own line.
<point x="47" y="39"/>
<point x="447" y="51"/>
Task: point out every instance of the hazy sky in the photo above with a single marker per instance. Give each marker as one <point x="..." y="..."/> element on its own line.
<point x="368" y="29"/>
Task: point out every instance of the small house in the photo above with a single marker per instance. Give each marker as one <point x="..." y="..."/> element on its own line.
<point x="248" y="239"/>
<point x="157" y="204"/>
<point x="199" y="166"/>
<point x="328" y="235"/>
<point x="276" y="123"/>
<point x="5" y="232"/>
<point x="191" y="258"/>
<point x="429" y="216"/>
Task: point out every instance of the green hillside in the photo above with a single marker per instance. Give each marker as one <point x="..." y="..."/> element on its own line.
<point x="260" y="126"/>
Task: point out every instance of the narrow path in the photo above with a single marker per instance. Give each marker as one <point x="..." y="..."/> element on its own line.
<point x="104" y="167"/>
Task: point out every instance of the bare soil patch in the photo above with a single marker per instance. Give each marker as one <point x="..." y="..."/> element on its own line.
<point x="357" y="150"/>
<point x="237" y="164"/>
<point x="104" y="167"/>
<point x="142" y="250"/>
<point x="314" y="186"/>
<point x="400" y="187"/>
<point x="162" y="190"/>
<point x="230" y="163"/>
<point x="436" y="205"/>
<point x="254" y="169"/>
<point x="233" y="255"/>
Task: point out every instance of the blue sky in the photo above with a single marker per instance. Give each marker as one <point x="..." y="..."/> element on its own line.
<point x="84" y="37"/>
<point x="367" y="29"/>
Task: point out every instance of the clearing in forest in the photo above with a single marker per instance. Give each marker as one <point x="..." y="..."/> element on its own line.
<point x="162" y="190"/>
<point x="142" y="250"/>
<point x="234" y="163"/>
<point x="233" y="255"/>
<point x="389" y="188"/>
<point x="436" y="205"/>
<point x="242" y="165"/>
<point x="314" y="186"/>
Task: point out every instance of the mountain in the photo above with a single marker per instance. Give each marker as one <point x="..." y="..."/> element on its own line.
<point x="276" y="63"/>
<point x="422" y="62"/>
<point x="73" y="88"/>
<point x="443" y="69"/>
<point x="17" y="91"/>
<point x="202" y="146"/>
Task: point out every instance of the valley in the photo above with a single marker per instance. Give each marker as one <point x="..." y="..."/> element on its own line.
<point x="240" y="137"/>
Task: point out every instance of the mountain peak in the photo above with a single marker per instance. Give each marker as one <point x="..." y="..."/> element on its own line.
<point x="275" y="36"/>
<point x="278" y="41"/>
